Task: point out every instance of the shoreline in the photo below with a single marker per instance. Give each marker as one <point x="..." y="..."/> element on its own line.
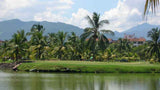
<point x="88" y="67"/>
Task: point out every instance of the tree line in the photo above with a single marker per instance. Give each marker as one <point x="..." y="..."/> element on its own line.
<point x="91" y="45"/>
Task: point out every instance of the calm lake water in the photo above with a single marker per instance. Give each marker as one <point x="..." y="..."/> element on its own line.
<point x="61" y="81"/>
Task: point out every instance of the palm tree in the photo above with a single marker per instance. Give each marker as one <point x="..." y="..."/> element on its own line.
<point x="17" y="43"/>
<point x="150" y="4"/>
<point x="60" y="44"/>
<point x="154" y="46"/>
<point x="75" y="46"/>
<point x="95" y="36"/>
<point x="4" y="48"/>
<point x="38" y="41"/>
<point x="123" y="45"/>
<point x="153" y="4"/>
<point x="52" y="39"/>
<point x="37" y="28"/>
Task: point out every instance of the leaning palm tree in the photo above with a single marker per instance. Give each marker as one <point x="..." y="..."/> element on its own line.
<point x="154" y="46"/>
<point x="95" y="36"/>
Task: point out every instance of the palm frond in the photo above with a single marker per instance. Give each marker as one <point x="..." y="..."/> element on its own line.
<point x="88" y="29"/>
<point x="101" y="23"/>
<point x="90" y="21"/>
<point x="103" y="41"/>
<point x="107" y="32"/>
<point x="86" y="35"/>
<point x="96" y="18"/>
<point x="150" y="4"/>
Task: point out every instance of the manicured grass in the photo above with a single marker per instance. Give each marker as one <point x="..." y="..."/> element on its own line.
<point x="90" y="67"/>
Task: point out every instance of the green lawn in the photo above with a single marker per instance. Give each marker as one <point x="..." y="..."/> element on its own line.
<point x="90" y="67"/>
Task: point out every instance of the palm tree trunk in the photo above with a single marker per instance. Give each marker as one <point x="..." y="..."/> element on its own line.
<point x="94" y="49"/>
<point x="158" y="56"/>
<point x="16" y="54"/>
<point x="39" y="53"/>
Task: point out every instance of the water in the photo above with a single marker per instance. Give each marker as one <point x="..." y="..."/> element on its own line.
<point x="61" y="81"/>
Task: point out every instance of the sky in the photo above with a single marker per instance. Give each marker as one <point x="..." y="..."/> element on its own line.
<point x="122" y="14"/>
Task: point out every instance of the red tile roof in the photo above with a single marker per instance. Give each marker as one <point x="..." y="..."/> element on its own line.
<point x="137" y="39"/>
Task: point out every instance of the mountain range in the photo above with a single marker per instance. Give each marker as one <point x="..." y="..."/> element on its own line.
<point x="7" y="28"/>
<point x="140" y="30"/>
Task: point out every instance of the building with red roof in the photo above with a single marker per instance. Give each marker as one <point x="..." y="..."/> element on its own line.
<point x="134" y="40"/>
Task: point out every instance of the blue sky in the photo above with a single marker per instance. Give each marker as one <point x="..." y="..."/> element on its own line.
<point x="95" y="5"/>
<point x="122" y="14"/>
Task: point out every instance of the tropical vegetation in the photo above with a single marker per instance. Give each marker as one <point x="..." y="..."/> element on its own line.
<point x="92" y="45"/>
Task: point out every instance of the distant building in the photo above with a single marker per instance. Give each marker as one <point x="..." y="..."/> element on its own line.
<point x="134" y="40"/>
<point x="1" y="42"/>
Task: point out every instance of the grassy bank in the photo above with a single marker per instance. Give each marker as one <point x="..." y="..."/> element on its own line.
<point x="90" y="67"/>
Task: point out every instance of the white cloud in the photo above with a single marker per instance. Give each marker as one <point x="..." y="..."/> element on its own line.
<point x="78" y="19"/>
<point x="123" y="16"/>
<point x="127" y="14"/>
<point x="29" y="9"/>
<point x="8" y="7"/>
<point x="14" y="4"/>
<point x="66" y="1"/>
<point x="49" y="16"/>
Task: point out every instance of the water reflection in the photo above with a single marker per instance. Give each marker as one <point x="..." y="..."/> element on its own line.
<point x="44" y="81"/>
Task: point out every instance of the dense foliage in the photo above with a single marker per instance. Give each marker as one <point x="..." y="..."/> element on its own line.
<point x="91" y="45"/>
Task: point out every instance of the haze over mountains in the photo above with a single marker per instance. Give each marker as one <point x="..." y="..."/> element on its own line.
<point x="7" y="28"/>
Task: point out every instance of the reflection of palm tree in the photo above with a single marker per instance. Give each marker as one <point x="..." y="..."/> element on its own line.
<point x="94" y="33"/>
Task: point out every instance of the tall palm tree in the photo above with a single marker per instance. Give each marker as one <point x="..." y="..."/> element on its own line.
<point x="38" y="41"/>
<point x="17" y="43"/>
<point x="154" y="46"/>
<point x="95" y="36"/>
